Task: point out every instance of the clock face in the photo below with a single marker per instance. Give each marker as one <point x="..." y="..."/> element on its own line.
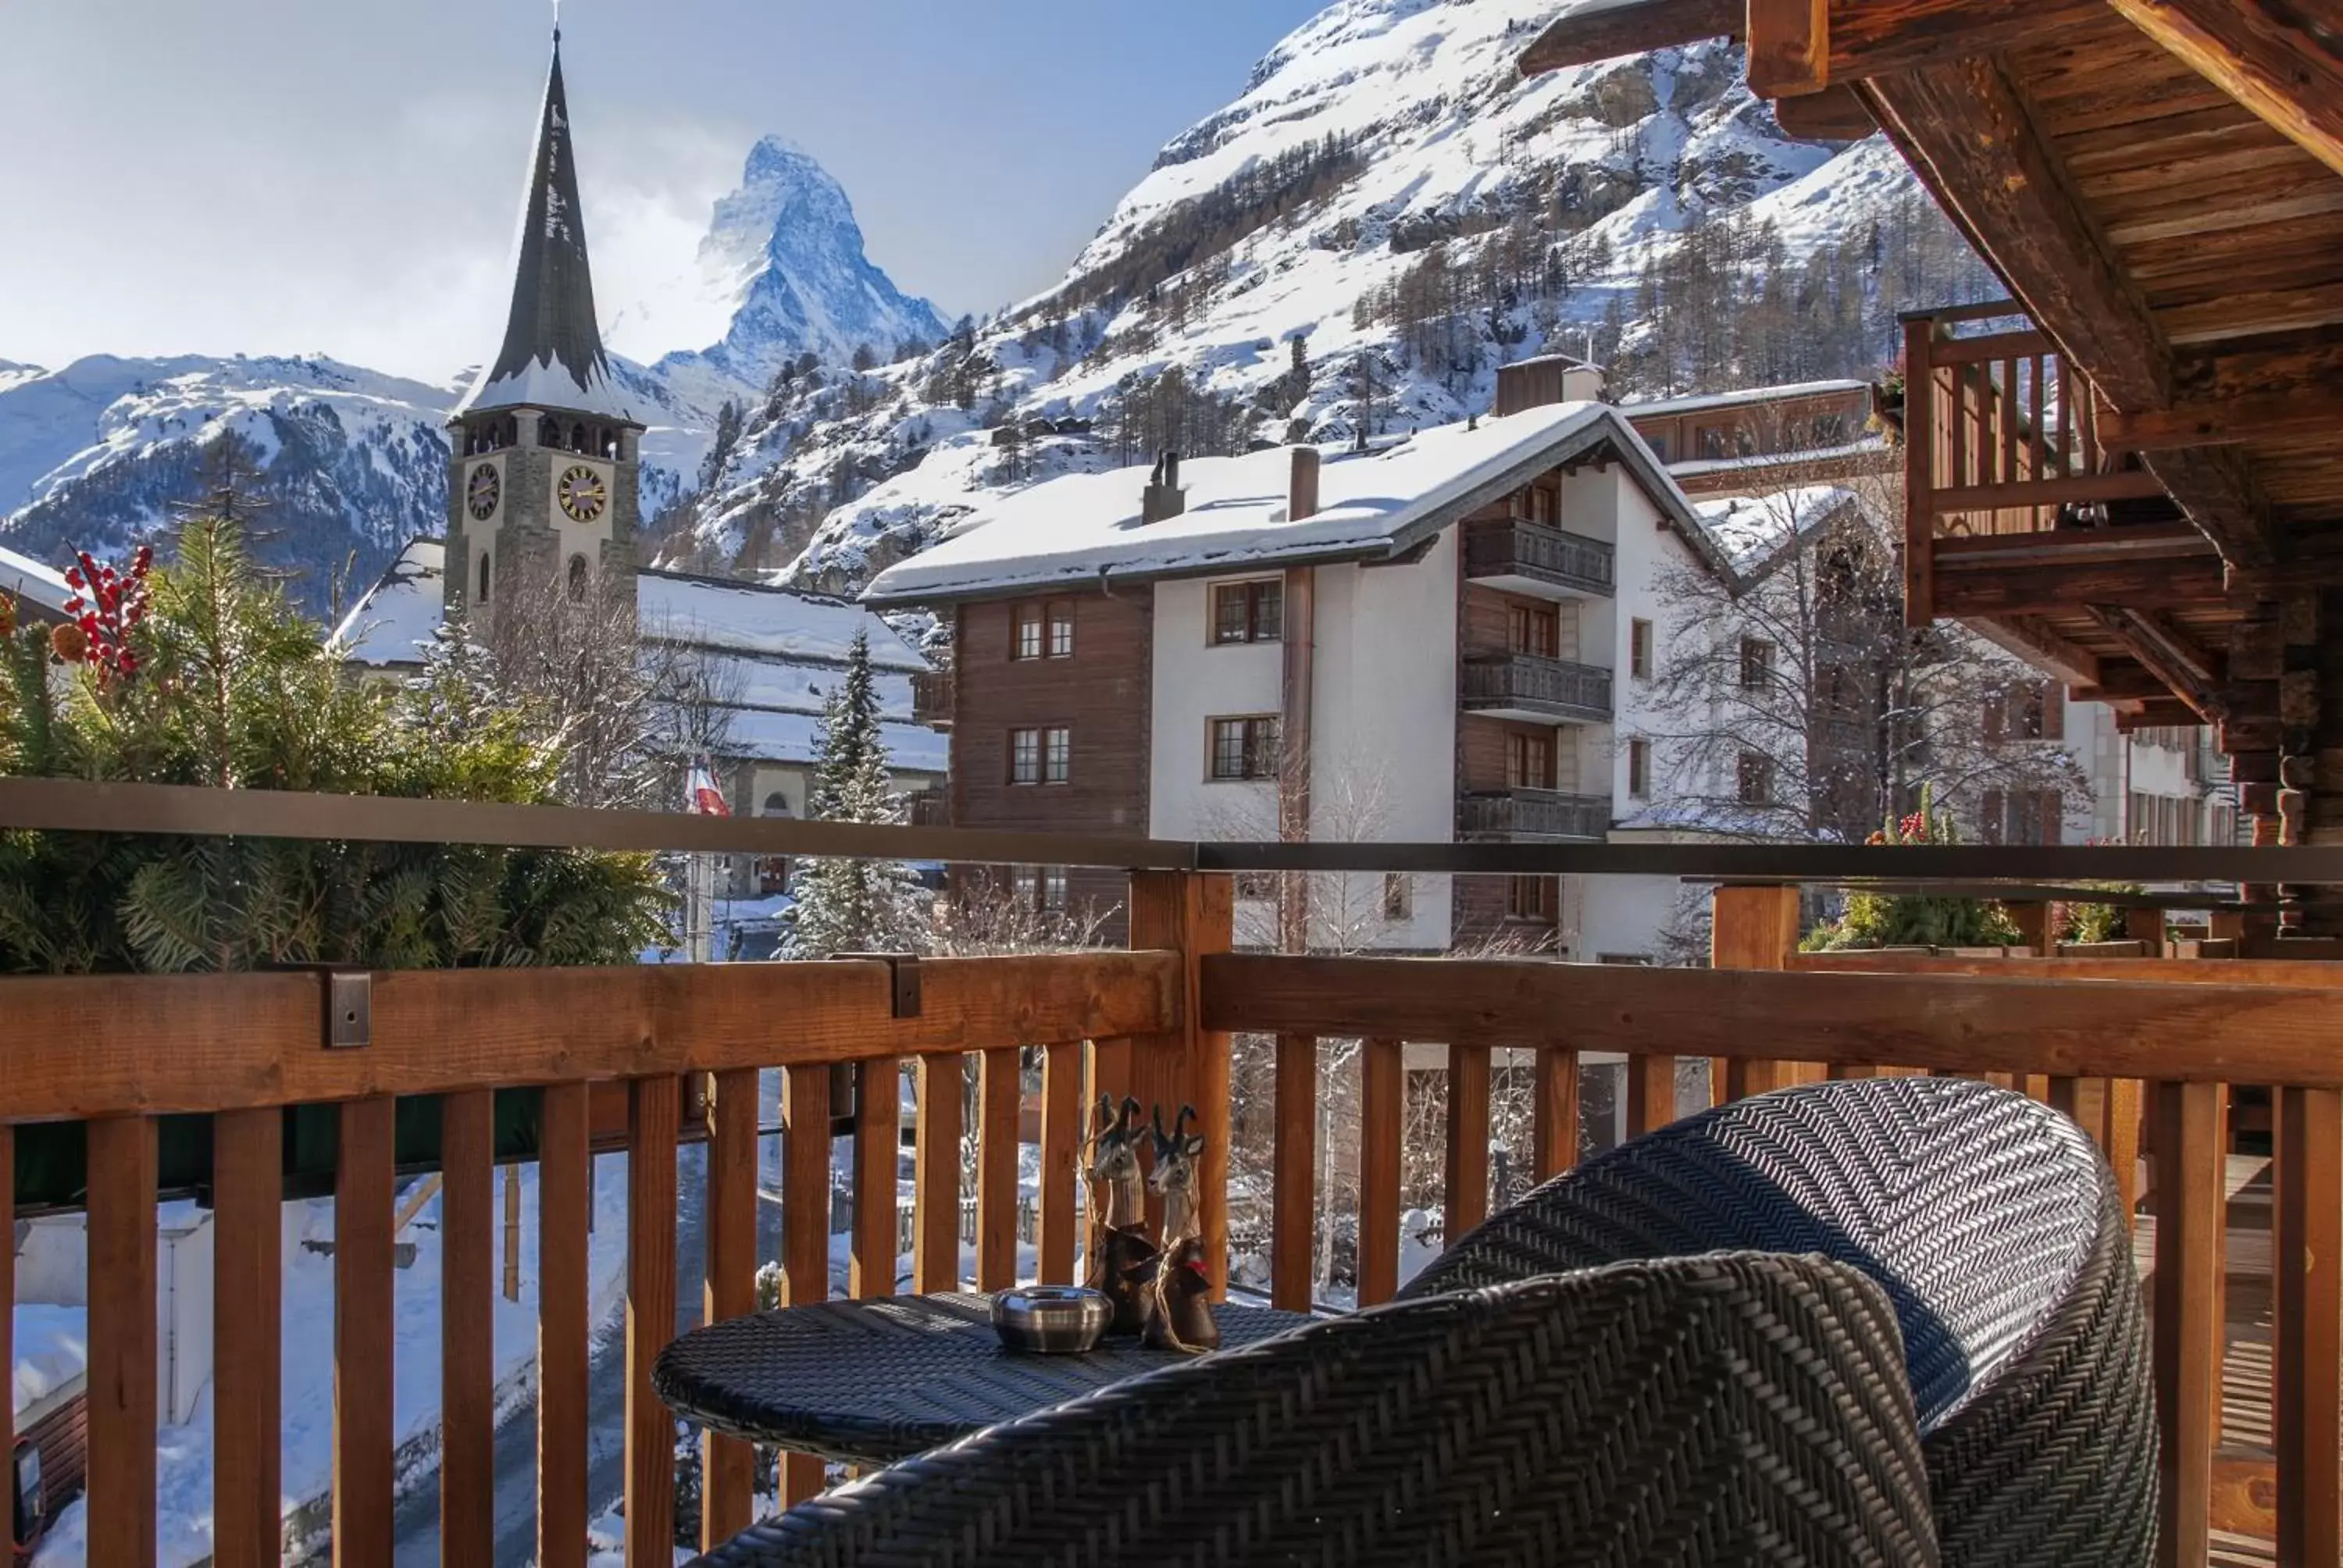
<point x="482" y="490"/>
<point x="583" y="494"/>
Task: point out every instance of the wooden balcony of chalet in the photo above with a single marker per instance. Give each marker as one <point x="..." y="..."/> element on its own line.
<point x="1535" y="689"/>
<point x="2145" y="1052"/>
<point x="931" y="698"/>
<point x="1523" y="556"/>
<point x="1531" y="816"/>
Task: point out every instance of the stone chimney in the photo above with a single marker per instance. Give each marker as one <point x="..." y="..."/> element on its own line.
<point x="1302" y="489"/>
<point x="1547" y="379"/>
<point x="1163" y="497"/>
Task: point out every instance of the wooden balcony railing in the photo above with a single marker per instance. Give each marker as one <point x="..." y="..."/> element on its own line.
<point x="1537" y="556"/>
<point x="931" y="698"/>
<point x="1517" y="814"/>
<point x="1531" y="687"/>
<point x="2144" y="1052"/>
<point x="2002" y="436"/>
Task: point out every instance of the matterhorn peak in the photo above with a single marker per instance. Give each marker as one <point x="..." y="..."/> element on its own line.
<point x="785" y="253"/>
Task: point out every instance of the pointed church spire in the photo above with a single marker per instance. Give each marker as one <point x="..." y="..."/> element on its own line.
<point x="552" y="355"/>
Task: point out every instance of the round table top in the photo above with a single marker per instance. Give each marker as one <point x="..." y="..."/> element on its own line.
<point x="872" y="1381"/>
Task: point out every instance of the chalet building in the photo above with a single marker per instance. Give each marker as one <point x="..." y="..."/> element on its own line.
<point x="1730" y="442"/>
<point x="541" y="490"/>
<point x="1442" y="638"/>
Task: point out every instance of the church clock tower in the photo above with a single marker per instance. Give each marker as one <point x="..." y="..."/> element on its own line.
<point x="544" y="447"/>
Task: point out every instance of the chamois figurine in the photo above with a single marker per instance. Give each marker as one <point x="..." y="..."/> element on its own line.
<point x="1121" y="1257"/>
<point x="1179" y="1304"/>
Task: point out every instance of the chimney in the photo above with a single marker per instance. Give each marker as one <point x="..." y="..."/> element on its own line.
<point x="1547" y="379"/>
<point x="1302" y="489"/>
<point x="1162" y="498"/>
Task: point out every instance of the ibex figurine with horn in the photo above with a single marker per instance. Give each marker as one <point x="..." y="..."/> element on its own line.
<point x="1179" y="1304"/>
<point x="1121" y="1257"/>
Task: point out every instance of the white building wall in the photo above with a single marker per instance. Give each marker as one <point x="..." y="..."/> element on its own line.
<point x="1384" y="766"/>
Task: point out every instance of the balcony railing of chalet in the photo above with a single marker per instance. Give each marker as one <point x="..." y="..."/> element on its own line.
<point x="931" y="808"/>
<point x="2149" y="1044"/>
<point x="2002" y="436"/>
<point x="1518" y="547"/>
<point x="931" y="698"/>
<point x="1528" y="683"/>
<point x="1534" y="814"/>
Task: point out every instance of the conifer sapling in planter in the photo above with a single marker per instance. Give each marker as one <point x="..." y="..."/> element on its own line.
<point x="1916" y="919"/>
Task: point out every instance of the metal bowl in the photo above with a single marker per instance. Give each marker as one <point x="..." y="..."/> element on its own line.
<point x="1052" y="1320"/>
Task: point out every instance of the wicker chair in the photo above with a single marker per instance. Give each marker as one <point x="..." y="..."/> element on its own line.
<point x="1995" y="1227"/>
<point x="1731" y="1408"/>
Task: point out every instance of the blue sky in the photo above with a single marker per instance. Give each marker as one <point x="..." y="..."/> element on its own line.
<point x="326" y="176"/>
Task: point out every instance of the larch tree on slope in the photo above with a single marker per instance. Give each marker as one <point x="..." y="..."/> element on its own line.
<point x="855" y="905"/>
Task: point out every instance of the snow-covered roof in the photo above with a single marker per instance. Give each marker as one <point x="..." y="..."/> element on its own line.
<point x="23" y="577"/>
<point x="1374" y="504"/>
<point x="778" y="653"/>
<point x="393" y="622"/>
<point x="1750" y="530"/>
<point x="1740" y="397"/>
<point x="755" y="619"/>
<point x="1700" y="468"/>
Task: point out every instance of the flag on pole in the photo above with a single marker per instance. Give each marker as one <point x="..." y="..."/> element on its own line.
<point x="702" y="798"/>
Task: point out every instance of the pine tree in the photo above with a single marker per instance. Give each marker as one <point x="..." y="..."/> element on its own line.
<point x="855" y="906"/>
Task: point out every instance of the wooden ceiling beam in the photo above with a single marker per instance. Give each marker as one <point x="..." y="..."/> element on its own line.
<point x="1605" y="29"/>
<point x="2038" y="589"/>
<point x="2282" y="61"/>
<point x="2315" y="411"/>
<point x="2170" y="655"/>
<point x="2040" y="646"/>
<point x="1833" y="115"/>
<point x="1969" y="131"/>
<point x="1800" y="47"/>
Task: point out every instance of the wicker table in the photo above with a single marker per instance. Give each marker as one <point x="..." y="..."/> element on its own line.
<point x="872" y="1382"/>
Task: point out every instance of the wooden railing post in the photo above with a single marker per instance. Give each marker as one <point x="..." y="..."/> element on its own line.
<point x="1919" y="473"/>
<point x="247" y="1283"/>
<point x="653" y="1111"/>
<point x="805" y="1214"/>
<point x="565" y="1204"/>
<point x="1191" y="914"/>
<point x="122" y="1322"/>
<point x="1752" y="928"/>
<point x="2186" y="1315"/>
<point x="1294" y="1167"/>
<point x="364" y="1187"/>
<point x="2308" y="1402"/>
<point x="728" y="1467"/>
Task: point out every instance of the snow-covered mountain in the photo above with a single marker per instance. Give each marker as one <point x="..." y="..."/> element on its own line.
<point x="1386" y="213"/>
<point x="785" y="255"/>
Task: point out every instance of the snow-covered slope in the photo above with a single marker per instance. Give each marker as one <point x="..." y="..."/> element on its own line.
<point x="785" y="255"/>
<point x="1386" y="213"/>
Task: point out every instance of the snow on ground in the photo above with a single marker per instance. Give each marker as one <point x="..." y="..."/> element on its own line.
<point x="184" y="1454"/>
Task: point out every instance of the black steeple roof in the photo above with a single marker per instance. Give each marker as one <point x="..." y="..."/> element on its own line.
<point x="552" y="355"/>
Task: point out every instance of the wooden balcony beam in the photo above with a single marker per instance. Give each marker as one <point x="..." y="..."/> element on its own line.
<point x="2040" y="646"/>
<point x="2033" y="588"/>
<point x="251" y="1040"/>
<point x="1605" y="29"/>
<point x="2170" y="655"/>
<point x="2282" y="61"/>
<point x="1833" y="115"/>
<point x="2210" y="1033"/>
<point x="1800" y="47"/>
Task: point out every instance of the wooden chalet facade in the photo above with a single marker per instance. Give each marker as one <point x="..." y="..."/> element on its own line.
<point x="2132" y="473"/>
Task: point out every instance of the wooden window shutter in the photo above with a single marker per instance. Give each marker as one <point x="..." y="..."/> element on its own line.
<point x="2054" y="814"/>
<point x="1989" y="816"/>
<point x="2054" y="711"/>
<point x="1996" y="711"/>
